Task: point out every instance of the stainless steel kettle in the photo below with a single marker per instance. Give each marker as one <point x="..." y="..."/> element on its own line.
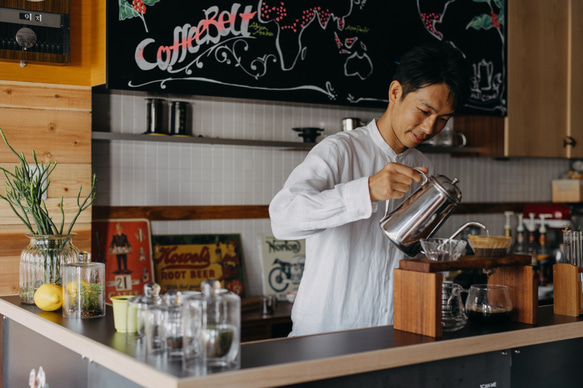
<point x="422" y="213"/>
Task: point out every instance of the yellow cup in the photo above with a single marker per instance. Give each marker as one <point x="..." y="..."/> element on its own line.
<point x="120" y="306"/>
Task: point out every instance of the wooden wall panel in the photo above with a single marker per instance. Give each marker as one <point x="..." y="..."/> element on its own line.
<point x="55" y="121"/>
<point x="53" y="134"/>
<point x="21" y="95"/>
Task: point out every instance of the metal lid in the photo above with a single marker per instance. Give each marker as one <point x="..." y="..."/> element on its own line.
<point x="448" y="187"/>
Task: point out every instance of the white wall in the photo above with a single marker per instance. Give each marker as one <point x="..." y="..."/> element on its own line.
<point x="146" y="173"/>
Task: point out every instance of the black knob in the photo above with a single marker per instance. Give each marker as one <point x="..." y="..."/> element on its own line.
<point x="569" y="141"/>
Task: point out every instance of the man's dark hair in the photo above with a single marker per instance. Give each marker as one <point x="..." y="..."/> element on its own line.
<point x="434" y="63"/>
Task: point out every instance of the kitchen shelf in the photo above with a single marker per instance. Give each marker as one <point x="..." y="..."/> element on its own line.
<point x="294" y="145"/>
<point x="108" y="136"/>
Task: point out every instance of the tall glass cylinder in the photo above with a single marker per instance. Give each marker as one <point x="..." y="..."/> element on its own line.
<point x="83" y="288"/>
<point x="41" y="261"/>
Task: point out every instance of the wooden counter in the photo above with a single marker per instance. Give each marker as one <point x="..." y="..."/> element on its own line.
<point x="291" y="360"/>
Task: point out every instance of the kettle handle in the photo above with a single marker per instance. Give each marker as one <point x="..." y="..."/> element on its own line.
<point x="424" y="181"/>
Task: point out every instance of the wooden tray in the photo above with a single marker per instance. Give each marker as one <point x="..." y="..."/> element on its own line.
<point x="464" y="262"/>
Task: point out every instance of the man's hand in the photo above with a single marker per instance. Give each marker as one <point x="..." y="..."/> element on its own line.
<point x="393" y="181"/>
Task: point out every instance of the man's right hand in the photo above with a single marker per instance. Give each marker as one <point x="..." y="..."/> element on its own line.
<point x="393" y="181"/>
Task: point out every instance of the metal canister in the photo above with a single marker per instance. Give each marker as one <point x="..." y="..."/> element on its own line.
<point x="154" y="115"/>
<point x="178" y="118"/>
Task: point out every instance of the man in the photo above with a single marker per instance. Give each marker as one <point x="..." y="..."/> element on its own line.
<point x="336" y="197"/>
<point x="120" y="246"/>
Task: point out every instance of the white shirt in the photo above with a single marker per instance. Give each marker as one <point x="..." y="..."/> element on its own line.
<point x="348" y="275"/>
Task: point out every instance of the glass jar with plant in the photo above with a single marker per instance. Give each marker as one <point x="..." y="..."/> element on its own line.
<point x="83" y="288"/>
<point x="50" y="244"/>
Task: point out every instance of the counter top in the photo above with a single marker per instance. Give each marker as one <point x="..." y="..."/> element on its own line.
<point x="290" y="360"/>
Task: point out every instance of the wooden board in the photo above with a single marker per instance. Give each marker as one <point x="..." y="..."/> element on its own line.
<point x="523" y="292"/>
<point x="167" y="213"/>
<point x="55" y="121"/>
<point x="61" y="135"/>
<point x="567" y="290"/>
<point x="66" y="180"/>
<point x="44" y="96"/>
<point x="464" y="262"/>
<point x="417" y="309"/>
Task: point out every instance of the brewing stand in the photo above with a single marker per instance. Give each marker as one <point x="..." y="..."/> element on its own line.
<point x="417" y="289"/>
<point x="567" y="290"/>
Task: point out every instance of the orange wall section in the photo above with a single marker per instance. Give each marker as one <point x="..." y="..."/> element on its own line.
<point x="87" y="45"/>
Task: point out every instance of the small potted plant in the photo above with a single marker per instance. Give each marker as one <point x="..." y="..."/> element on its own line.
<point x="50" y="245"/>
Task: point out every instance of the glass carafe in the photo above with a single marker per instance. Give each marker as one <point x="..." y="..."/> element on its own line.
<point x="453" y="316"/>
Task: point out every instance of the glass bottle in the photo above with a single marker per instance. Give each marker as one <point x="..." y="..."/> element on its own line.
<point x="139" y="304"/>
<point x="41" y="262"/>
<point x="84" y="288"/>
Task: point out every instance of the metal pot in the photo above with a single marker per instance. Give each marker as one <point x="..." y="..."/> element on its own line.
<point x="422" y="213"/>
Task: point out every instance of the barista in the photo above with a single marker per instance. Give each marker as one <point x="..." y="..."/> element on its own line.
<point x="336" y="197"/>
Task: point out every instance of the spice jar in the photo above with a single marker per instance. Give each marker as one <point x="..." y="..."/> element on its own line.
<point x="83" y="288"/>
<point x="172" y="324"/>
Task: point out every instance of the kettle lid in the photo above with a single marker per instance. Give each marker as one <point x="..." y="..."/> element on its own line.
<point x="448" y="187"/>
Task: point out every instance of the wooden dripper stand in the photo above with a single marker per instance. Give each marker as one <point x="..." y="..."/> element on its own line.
<point x="568" y="276"/>
<point x="418" y="288"/>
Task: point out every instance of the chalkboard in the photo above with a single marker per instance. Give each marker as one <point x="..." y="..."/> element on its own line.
<point x="319" y="51"/>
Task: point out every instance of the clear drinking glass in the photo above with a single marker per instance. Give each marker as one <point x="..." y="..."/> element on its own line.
<point x="193" y="349"/>
<point x="221" y="333"/>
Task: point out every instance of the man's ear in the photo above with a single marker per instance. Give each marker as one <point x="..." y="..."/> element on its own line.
<point x="395" y="91"/>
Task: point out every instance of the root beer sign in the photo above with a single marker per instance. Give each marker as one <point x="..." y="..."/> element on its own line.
<point x="184" y="262"/>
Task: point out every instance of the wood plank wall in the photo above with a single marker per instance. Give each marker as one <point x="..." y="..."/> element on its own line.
<point x="55" y="121"/>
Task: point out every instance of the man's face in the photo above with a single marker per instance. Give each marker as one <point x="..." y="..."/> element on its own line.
<point x="419" y="116"/>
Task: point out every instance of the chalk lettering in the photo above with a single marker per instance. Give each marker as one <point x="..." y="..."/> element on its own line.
<point x="187" y="39"/>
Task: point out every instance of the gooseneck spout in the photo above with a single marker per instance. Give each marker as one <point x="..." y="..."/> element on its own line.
<point x="467" y="224"/>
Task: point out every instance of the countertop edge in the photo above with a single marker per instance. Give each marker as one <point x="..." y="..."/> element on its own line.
<point x="288" y="373"/>
<point x="105" y="356"/>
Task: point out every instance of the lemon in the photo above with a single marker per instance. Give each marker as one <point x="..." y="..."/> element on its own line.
<point x="49" y="297"/>
<point x="72" y="287"/>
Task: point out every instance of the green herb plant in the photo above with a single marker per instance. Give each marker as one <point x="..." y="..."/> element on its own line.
<point x="24" y="192"/>
<point x="91" y="300"/>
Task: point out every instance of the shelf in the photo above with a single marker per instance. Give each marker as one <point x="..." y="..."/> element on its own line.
<point x="293" y="145"/>
<point x="108" y="136"/>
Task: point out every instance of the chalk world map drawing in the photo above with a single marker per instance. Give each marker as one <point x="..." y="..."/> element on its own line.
<point x="320" y="51"/>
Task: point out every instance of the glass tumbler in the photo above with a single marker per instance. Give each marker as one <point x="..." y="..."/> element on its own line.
<point x="193" y="322"/>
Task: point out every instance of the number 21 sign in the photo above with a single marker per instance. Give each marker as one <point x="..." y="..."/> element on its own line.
<point x="124" y="245"/>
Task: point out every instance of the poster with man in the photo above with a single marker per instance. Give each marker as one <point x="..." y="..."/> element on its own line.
<point x="124" y="246"/>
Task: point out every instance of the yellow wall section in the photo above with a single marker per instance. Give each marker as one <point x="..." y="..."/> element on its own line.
<point x="87" y="42"/>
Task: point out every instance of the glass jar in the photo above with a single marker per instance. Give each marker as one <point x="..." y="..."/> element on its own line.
<point x="172" y="324"/>
<point x="221" y="333"/>
<point x="41" y="261"/>
<point x="84" y="288"/>
<point x="140" y="304"/>
<point x="193" y="322"/>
